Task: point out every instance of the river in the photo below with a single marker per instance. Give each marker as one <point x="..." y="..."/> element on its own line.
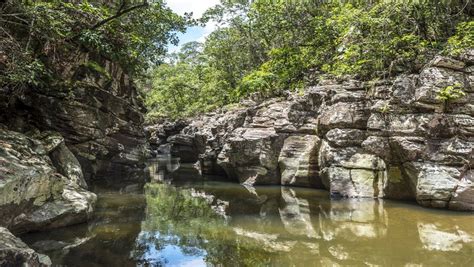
<point x="210" y="223"/>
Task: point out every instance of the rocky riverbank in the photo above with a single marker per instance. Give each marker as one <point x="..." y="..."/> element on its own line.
<point x="382" y="139"/>
<point x="55" y="141"/>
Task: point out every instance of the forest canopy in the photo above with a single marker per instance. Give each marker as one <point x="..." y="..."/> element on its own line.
<point x="263" y="48"/>
<point x="260" y="48"/>
<point x="38" y="38"/>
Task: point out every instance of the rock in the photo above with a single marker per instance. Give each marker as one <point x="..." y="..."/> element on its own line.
<point x="251" y="156"/>
<point x="403" y="89"/>
<point x="13" y="252"/>
<point x="158" y="133"/>
<point x="33" y="195"/>
<point x="464" y="124"/>
<point x="329" y="155"/>
<point x="343" y="115"/>
<point x="364" y="161"/>
<point x="403" y="124"/>
<point x="275" y="116"/>
<point x="439" y="78"/>
<point x="437" y="186"/>
<point x="298" y="161"/>
<point x="462" y="198"/>
<point x="446" y="62"/>
<point x="468" y="56"/>
<point x="408" y="148"/>
<point x="342" y="182"/>
<point x="398" y="186"/>
<point x="385" y="139"/>
<point x="378" y="146"/>
<point x="67" y="164"/>
<point x="345" y="137"/>
<point x="183" y="147"/>
<point x="100" y="118"/>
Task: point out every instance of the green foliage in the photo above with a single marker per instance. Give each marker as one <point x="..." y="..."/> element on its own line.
<point x="39" y="38"/>
<point x="462" y="40"/>
<point x="264" y="47"/>
<point x="258" y="81"/>
<point x="186" y="85"/>
<point x="385" y="108"/>
<point x="450" y="93"/>
<point x="96" y="67"/>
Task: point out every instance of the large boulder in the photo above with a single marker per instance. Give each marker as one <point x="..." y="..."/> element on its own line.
<point x="62" y="158"/>
<point x="13" y="252"/>
<point x="34" y="195"/>
<point x="440" y="186"/>
<point x="251" y="155"/>
<point x="298" y="161"/>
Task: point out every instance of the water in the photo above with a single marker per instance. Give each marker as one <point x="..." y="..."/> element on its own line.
<point x="225" y="224"/>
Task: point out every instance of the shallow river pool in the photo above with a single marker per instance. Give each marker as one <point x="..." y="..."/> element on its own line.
<point x="225" y="224"/>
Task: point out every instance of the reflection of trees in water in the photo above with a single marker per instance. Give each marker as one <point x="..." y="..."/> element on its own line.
<point x="186" y="218"/>
<point x="290" y="226"/>
<point x="263" y="226"/>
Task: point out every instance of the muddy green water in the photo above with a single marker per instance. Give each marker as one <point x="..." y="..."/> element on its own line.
<point x="224" y="224"/>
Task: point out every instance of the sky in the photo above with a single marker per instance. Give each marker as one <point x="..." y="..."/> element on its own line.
<point x="193" y="33"/>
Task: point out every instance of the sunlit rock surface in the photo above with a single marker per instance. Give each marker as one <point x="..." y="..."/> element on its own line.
<point x="34" y="195"/>
<point x="382" y="139"/>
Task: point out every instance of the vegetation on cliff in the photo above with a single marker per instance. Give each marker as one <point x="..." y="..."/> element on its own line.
<point x="264" y="47"/>
<point x="39" y="39"/>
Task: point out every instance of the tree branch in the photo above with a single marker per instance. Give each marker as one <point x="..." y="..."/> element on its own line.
<point x="120" y="12"/>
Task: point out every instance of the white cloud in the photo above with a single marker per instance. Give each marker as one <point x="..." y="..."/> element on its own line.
<point x="210" y="27"/>
<point x="196" y="6"/>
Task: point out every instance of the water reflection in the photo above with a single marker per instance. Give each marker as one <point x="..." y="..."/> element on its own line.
<point x="284" y="226"/>
<point x="162" y="166"/>
<point x="212" y="223"/>
<point x="107" y="240"/>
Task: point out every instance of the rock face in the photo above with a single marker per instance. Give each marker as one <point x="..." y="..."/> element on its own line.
<point x="13" y="252"/>
<point x="34" y="194"/>
<point x="86" y="125"/>
<point x="384" y="139"/>
<point x="98" y="114"/>
<point x="298" y="161"/>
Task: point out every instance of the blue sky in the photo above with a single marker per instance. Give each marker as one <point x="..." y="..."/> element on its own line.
<point x="197" y="7"/>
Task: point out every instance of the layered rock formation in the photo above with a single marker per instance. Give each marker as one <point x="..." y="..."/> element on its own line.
<point x="384" y="139"/>
<point x="94" y="106"/>
<point x="34" y="194"/>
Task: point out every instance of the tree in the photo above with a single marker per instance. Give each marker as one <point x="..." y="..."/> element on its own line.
<point x="38" y="37"/>
<point x="264" y="48"/>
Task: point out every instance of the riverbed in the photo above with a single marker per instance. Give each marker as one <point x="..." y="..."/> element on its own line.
<point x="211" y="223"/>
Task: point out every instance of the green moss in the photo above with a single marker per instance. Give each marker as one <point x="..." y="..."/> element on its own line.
<point x="95" y="67"/>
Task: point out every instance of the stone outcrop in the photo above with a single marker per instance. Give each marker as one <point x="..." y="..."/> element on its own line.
<point x="98" y="114"/>
<point x="298" y="161"/>
<point x="382" y="139"/>
<point x="86" y="124"/>
<point x="34" y="194"/>
<point x="13" y="252"/>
